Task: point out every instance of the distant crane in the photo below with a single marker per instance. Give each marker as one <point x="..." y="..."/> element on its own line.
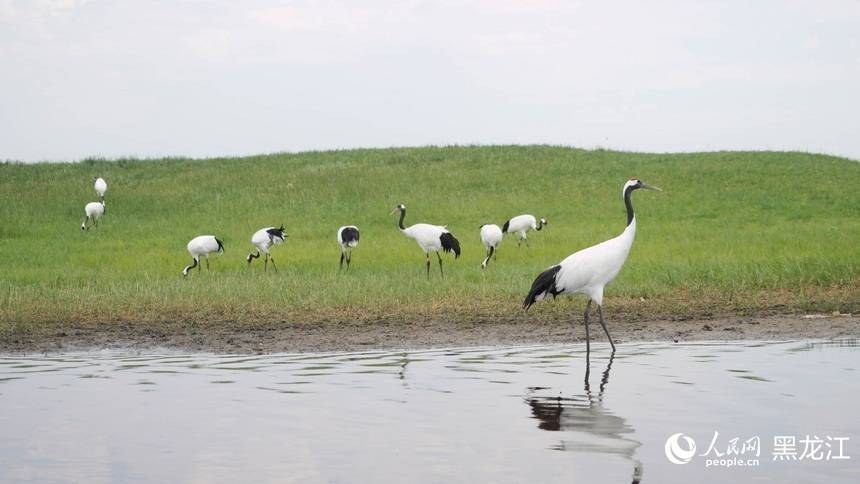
<point x="347" y="238"/>
<point x="101" y="187"/>
<point x="93" y="211"/>
<point x="264" y="239"/>
<point x="491" y="237"/>
<point x="521" y="224"/>
<point x="431" y="238"/>
<point x="202" y="246"/>
<point x="589" y="270"/>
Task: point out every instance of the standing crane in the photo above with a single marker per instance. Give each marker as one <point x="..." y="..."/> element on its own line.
<point x="491" y="237"/>
<point x="347" y="238"/>
<point x="431" y="238"/>
<point x="101" y="187"/>
<point x="589" y="270"/>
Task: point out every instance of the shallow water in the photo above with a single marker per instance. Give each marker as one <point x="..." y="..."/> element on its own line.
<point x="519" y="414"/>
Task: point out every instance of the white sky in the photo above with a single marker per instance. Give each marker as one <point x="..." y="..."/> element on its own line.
<point x="198" y="78"/>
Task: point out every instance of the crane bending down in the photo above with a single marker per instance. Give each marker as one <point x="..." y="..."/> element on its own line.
<point x="521" y="224"/>
<point x="590" y="270"/>
<point x="431" y="238"/>
<point x="491" y="237"/>
<point x="347" y="238"/>
<point x="93" y="211"/>
<point x="263" y="240"/>
<point x="202" y="245"/>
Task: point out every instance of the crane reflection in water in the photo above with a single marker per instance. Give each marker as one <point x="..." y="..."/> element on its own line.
<point x="589" y="425"/>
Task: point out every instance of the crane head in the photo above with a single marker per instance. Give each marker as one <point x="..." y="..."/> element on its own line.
<point x="399" y="208"/>
<point x="635" y="184"/>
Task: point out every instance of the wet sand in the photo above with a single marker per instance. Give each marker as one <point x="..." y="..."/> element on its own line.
<point x="276" y="337"/>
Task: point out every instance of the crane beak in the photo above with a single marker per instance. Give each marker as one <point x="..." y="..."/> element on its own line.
<point x="392" y="212"/>
<point x="651" y="187"/>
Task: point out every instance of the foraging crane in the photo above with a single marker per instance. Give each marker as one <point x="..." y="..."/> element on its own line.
<point x="521" y="224"/>
<point x="589" y="270"/>
<point x="263" y="239"/>
<point x="491" y="237"/>
<point x="93" y="211"/>
<point x="101" y="187"/>
<point x="431" y="238"/>
<point x="202" y="245"/>
<point x="347" y="238"/>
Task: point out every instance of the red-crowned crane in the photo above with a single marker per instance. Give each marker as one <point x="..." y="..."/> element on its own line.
<point x="202" y="245"/>
<point x="589" y="270"/>
<point x="521" y="224"/>
<point x="431" y="238"/>
<point x="93" y="211"/>
<point x="347" y="238"/>
<point x="491" y="237"/>
<point x="263" y="240"/>
<point x="101" y="187"/>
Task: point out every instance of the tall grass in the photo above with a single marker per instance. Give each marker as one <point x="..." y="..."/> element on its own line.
<point x="728" y="226"/>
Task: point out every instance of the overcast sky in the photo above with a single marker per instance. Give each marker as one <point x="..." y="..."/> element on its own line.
<point x="150" y="78"/>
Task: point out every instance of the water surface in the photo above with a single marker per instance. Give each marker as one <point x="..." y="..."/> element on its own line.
<point x="518" y="414"/>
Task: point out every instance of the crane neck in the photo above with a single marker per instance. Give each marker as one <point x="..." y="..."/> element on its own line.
<point x="402" y="216"/>
<point x="629" y="204"/>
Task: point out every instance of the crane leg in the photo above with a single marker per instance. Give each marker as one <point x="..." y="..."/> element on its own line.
<point x="605" y="330"/>
<point x="440" y="264"/>
<point x="207" y="263"/>
<point x="587" y="336"/>
<point x="342" y="257"/>
<point x="271" y="258"/>
<point x="427" y="257"/>
<point x="348" y="259"/>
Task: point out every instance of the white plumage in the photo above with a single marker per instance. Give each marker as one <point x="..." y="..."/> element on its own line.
<point x="431" y="238"/>
<point x="202" y="245"/>
<point x="491" y="237"/>
<point x="101" y="187"/>
<point x="263" y="240"/>
<point x="521" y="224"/>
<point x="347" y="238"/>
<point x="93" y="211"/>
<point x="589" y="270"/>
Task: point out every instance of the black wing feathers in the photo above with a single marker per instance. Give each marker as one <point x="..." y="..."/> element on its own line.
<point x="544" y="284"/>
<point x="349" y="234"/>
<point x="449" y="243"/>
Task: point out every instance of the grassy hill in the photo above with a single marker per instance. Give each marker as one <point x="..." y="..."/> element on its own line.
<point x="732" y="231"/>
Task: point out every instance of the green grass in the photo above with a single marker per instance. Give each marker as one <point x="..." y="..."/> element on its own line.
<point x="731" y="231"/>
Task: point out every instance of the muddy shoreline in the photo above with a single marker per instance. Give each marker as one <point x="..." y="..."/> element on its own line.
<point x="228" y="337"/>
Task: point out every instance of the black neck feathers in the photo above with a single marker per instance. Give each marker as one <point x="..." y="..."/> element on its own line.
<point x="402" y="216"/>
<point x="627" y="203"/>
